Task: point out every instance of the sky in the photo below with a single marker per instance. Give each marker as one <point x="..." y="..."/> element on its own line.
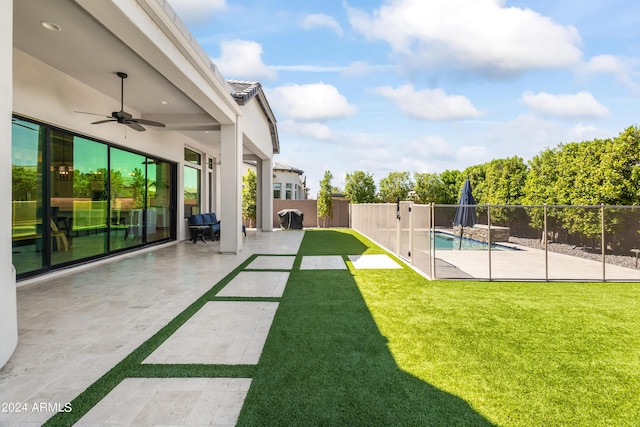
<point x="427" y="85"/>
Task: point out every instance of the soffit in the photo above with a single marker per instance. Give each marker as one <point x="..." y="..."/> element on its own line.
<point x="88" y="52"/>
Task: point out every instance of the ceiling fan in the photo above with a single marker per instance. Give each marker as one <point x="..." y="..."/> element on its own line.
<point x="122" y="116"/>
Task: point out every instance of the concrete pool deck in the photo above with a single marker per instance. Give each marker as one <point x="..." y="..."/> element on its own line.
<point x="529" y="264"/>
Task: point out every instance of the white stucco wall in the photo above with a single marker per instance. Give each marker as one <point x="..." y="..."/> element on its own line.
<point x="8" y="311"/>
<point x="284" y="178"/>
<point x="256" y="130"/>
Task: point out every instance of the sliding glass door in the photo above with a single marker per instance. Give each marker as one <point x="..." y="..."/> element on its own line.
<point x="76" y="199"/>
<point x="27" y="214"/>
<point x="161" y="200"/>
<point x="128" y="199"/>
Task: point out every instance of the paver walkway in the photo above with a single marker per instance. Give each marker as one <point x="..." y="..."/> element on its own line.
<point x="74" y="327"/>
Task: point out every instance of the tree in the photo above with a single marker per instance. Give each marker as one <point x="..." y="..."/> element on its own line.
<point x="452" y="180"/>
<point x="429" y="188"/>
<point x="138" y="189"/>
<point x="395" y="186"/>
<point x="325" y="202"/>
<point x="249" y="190"/>
<point x="359" y="187"/>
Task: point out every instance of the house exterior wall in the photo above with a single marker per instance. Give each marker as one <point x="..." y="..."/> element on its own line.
<point x="256" y="130"/>
<point x="293" y="178"/>
<point x="8" y="310"/>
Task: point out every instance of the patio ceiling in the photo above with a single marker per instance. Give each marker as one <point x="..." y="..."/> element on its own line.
<point x="91" y="53"/>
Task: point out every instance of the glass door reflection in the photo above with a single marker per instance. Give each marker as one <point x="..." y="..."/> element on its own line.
<point x="159" y="212"/>
<point x="128" y="199"/>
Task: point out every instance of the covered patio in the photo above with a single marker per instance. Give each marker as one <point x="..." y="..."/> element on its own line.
<point x="137" y="155"/>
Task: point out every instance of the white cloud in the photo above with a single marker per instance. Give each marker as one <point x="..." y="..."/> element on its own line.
<point x="478" y="153"/>
<point x="320" y="20"/>
<point x="582" y="132"/>
<point x="482" y="35"/>
<point x="430" y="146"/>
<point x="197" y="11"/>
<point x="316" y="101"/>
<point x="428" y="104"/>
<point x="310" y="68"/>
<point x="313" y="130"/>
<point x="361" y="68"/>
<point x="242" y="59"/>
<point x="620" y="67"/>
<point x="579" y="105"/>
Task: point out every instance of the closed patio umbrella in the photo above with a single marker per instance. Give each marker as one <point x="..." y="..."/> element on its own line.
<point x="466" y="212"/>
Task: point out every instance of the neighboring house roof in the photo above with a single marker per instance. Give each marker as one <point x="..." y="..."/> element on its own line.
<point x="282" y="167"/>
<point x="243" y="91"/>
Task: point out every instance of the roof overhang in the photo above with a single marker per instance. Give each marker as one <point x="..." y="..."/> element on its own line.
<point x="244" y="91"/>
<point x="169" y="75"/>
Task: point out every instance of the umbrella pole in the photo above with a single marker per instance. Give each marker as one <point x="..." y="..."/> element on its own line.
<point x="461" y="233"/>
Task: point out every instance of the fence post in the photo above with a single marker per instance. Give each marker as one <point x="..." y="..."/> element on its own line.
<point x="489" y="236"/>
<point x="398" y="230"/>
<point x="410" y="233"/>
<point x="604" y="274"/>
<point x="432" y="241"/>
<point x="545" y="238"/>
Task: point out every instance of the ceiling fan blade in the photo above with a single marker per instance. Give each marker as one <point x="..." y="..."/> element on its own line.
<point x="148" y="122"/>
<point x="136" y="126"/>
<point x="93" y="114"/>
<point x="103" y="121"/>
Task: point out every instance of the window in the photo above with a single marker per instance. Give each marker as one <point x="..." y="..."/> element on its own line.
<point x="192" y="186"/>
<point x="288" y="192"/>
<point x="191" y="191"/>
<point x="191" y="156"/>
<point x="276" y="190"/>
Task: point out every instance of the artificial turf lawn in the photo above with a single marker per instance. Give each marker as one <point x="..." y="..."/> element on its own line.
<point x="388" y="347"/>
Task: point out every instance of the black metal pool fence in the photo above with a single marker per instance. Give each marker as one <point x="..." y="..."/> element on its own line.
<point x="567" y="243"/>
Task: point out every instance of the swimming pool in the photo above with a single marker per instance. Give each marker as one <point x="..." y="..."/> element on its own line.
<point x="450" y="242"/>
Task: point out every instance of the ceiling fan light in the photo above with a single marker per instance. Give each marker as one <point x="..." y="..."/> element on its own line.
<point x="51" y="26"/>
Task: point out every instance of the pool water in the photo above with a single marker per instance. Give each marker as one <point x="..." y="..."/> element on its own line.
<point x="450" y="242"/>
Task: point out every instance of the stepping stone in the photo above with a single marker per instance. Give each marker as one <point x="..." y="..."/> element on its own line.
<point x="361" y="262"/>
<point x="272" y="263"/>
<point x="171" y="401"/>
<point x="256" y="284"/>
<point x="220" y="333"/>
<point x="323" y="262"/>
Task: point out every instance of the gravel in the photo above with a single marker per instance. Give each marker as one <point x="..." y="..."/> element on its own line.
<point x="561" y="248"/>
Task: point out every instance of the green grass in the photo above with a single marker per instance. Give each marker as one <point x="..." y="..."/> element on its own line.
<point x="387" y="347"/>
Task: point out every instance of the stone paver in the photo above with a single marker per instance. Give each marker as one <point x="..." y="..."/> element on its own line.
<point x="373" y="261"/>
<point x="171" y="401"/>
<point x="256" y="284"/>
<point x="266" y="262"/>
<point x="323" y="262"/>
<point x="221" y="332"/>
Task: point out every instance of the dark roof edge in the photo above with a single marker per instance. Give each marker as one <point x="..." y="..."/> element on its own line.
<point x="254" y="89"/>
